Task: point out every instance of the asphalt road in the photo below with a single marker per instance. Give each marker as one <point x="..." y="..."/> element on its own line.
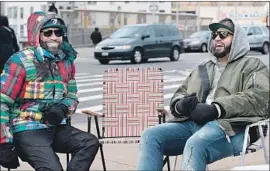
<point x="90" y="72"/>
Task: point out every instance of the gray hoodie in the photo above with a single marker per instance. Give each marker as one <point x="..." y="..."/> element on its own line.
<point x="239" y="48"/>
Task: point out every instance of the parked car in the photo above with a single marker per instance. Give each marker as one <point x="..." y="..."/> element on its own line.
<point x="197" y="41"/>
<point x="258" y="37"/>
<point x="140" y="42"/>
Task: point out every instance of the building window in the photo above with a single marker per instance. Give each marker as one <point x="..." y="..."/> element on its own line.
<point x="15" y="12"/>
<point x="31" y="10"/>
<point x="91" y="2"/>
<point x="10" y="9"/>
<point x="14" y="28"/>
<point x="22" y="30"/>
<point x="126" y="2"/>
<point x="21" y="10"/>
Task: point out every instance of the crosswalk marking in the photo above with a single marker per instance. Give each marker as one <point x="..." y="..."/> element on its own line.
<point x="89" y="80"/>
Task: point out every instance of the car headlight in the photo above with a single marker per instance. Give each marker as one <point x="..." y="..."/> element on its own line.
<point x="124" y="47"/>
<point x="98" y="48"/>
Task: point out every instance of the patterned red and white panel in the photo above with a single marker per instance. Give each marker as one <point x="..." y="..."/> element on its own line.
<point x="130" y="100"/>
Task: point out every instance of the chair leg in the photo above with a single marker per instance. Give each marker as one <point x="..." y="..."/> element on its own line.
<point x="175" y="163"/>
<point x="168" y="164"/>
<point x="242" y="154"/>
<point x="102" y="156"/>
<point x="263" y="145"/>
<point x="167" y="160"/>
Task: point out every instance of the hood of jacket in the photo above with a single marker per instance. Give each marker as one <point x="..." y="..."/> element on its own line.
<point x="239" y="48"/>
<point x="34" y="24"/>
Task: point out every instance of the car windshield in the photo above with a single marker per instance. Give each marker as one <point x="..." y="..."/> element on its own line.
<point x="127" y="32"/>
<point x="199" y="34"/>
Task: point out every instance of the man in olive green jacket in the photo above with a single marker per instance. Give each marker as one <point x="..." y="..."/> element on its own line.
<point x="212" y="106"/>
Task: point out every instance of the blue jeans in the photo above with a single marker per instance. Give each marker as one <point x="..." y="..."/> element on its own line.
<point x="200" y="145"/>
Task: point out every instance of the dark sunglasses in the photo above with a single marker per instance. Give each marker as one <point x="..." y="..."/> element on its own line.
<point x="57" y="33"/>
<point x="221" y="34"/>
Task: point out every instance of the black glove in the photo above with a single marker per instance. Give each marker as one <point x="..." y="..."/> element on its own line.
<point x="55" y="113"/>
<point x="8" y="156"/>
<point x="185" y="105"/>
<point x="204" y="113"/>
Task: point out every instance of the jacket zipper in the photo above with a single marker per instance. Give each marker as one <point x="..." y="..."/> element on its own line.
<point x="53" y="79"/>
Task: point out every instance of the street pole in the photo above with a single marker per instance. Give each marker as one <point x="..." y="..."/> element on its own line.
<point x="177" y="14"/>
<point x="198" y="17"/>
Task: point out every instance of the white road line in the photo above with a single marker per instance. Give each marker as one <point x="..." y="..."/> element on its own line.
<point x="87" y="98"/>
<point x="90" y="90"/>
<point x="79" y="74"/>
<point x="88" y="76"/>
<point x="86" y="80"/>
<point x="90" y="84"/>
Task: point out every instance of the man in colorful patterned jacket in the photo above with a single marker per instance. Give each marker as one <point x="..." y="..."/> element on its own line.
<point x="38" y="94"/>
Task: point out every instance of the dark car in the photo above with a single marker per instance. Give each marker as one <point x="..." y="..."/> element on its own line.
<point x="197" y="41"/>
<point x="140" y="42"/>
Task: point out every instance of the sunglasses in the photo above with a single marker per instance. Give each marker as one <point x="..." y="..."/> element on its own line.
<point x="221" y="34"/>
<point x="57" y="33"/>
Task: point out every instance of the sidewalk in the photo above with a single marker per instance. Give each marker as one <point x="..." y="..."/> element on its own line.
<point x="124" y="157"/>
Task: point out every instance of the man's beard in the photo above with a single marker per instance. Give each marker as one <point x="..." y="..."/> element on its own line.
<point x="53" y="46"/>
<point x="223" y="53"/>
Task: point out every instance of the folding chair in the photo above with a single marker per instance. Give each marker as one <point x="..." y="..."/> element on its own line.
<point x="263" y="127"/>
<point x="131" y="97"/>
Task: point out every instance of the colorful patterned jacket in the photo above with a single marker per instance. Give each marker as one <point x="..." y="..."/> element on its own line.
<point x="33" y="79"/>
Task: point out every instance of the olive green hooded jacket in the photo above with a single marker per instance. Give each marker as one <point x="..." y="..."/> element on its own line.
<point x="242" y="90"/>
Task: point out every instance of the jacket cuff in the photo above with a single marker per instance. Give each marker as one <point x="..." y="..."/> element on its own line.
<point x="220" y="109"/>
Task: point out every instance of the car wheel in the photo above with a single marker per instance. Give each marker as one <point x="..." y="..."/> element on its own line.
<point x="204" y="48"/>
<point x="175" y="54"/>
<point x="265" y="48"/>
<point x="104" y="61"/>
<point x="136" y="56"/>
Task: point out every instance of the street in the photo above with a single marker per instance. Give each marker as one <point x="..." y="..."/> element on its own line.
<point x="90" y="72"/>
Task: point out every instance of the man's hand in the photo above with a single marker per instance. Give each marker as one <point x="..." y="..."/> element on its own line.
<point x="55" y="114"/>
<point x="8" y="156"/>
<point x="185" y="105"/>
<point x="204" y="113"/>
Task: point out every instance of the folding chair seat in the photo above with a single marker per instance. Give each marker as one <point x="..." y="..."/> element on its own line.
<point x="131" y="97"/>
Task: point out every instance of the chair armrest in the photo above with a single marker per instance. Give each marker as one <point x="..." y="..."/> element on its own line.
<point x="91" y="113"/>
<point x="162" y="111"/>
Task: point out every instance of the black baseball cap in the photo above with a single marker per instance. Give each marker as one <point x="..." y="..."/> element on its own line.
<point x="54" y="23"/>
<point x="226" y="23"/>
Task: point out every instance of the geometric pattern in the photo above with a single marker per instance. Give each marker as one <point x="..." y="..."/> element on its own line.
<point x="131" y="97"/>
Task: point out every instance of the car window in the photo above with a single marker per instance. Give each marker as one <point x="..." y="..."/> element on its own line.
<point x="148" y="31"/>
<point x="265" y="30"/>
<point x="258" y="31"/>
<point x="251" y="31"/>
<point x="173" y="30"/>
<point x="126" y="32"/>
<point x="195" y="35"/>
<point x="159" y="32"/>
